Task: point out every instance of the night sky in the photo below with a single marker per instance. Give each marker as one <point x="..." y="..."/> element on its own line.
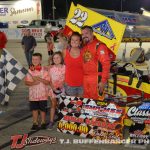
<point x="62" y="6"/>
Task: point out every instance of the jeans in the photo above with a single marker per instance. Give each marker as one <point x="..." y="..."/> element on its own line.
<point x="28" y="55"/>
<point x="73" y="90"/>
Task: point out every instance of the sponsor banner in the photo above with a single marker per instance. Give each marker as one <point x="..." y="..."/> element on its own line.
<point x="12" y="34"/>
<point x="20" y="12"/>
<point x="140" y="39"/>
<point x="140" y="128"/>
<point x="140" y="113"/>
<point x="104" y="28"/>
<point x="38" y="33"/>
<point x="17" y="34"/>
<point x="91" y="119"/>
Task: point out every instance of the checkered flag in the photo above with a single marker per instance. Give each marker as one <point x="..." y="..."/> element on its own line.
<point x="11" y="73"/>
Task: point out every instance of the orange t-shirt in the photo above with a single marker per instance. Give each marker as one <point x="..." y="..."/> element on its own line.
<point x="74" y="70"/>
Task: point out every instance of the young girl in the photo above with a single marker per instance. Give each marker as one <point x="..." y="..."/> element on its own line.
<point x="74" y="70"/>
<point x="57" y="76"/>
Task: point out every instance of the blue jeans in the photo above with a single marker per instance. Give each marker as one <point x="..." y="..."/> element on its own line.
<point x="73" y="90"/>
<point x="28" y="55"/>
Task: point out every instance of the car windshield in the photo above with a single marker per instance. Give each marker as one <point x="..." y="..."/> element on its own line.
<point x="35" y="23"/>
<point x="53" y="23"/>
<point x="43" y="23"/>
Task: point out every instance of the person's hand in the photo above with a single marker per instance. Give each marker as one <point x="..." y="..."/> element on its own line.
<point x="36" y="82"/>
<point x="0" y="52"/>
<point x="36" y="78"/>
<point x="39" y="79"/>
<point x="53" y="88"/>
<point x="31" y="49"/>
<point x="101" y="87"/>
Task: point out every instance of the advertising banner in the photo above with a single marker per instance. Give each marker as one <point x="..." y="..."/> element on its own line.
<point x="17" y="34"/>
<point x="91" y="119"/>
<point x="140" y="128"/>
<point x="105" y="29"/>
<point x="20" y="12"/>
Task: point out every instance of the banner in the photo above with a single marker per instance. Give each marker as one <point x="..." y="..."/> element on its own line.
<point x="140" y="128"/>
<point x="17" y="34"/>
<point x="19" y="12"/>
<point x="105" y="29"/>
<point x="90" y="119"/>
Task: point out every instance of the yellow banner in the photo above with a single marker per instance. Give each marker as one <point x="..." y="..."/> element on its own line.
<point x="105" y="29"/>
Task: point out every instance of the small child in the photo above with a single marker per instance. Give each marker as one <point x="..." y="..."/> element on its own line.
<point x="38" y="80"/>
<point x="62" y="42"/>
<point x="57" y="76"/>
<point x="50" y="45"/>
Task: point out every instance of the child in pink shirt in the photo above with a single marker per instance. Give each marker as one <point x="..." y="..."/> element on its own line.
<point x="38" y="80"/>
<point x="57" y="77"/>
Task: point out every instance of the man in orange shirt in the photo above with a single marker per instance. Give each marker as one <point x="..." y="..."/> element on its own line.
<point x="96" y="64"/>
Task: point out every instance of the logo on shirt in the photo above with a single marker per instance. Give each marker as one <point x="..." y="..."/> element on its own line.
<point x="104" y="29"/>
<point x="87" y="56"/>
<point x="102" y="52"/>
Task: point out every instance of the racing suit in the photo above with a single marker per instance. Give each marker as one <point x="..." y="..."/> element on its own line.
<point x="96" y="67"/>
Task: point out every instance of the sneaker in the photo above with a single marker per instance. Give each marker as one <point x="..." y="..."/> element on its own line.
<point x="35" y="127"/>
<point x="43" y="126"/>
<point x="50" y="126"/>
<point x="56" y="118"/>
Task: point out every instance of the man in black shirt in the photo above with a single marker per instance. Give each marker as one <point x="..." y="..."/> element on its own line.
<point x="28" y="44"/>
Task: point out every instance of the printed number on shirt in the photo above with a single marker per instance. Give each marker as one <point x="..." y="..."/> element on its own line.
<point x="79" y="17"/>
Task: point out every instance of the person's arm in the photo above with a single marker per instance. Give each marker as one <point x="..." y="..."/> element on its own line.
<point x="48" y="46"/>
<point x="50" y="80"/>
<point x="45" y="79"/>
<point x="31" y="83"/>
<point x="30" y="80"/>
<point x="34" y="43"/>
<point x="64" y="53"/>
<point x="51" y="85"/>
<point x="22" y="43"/>
<point x="46" y="82"/>
<point x="64" y="72"/>
<point x="0" y="52"/>
<point x="104" y="59"/>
